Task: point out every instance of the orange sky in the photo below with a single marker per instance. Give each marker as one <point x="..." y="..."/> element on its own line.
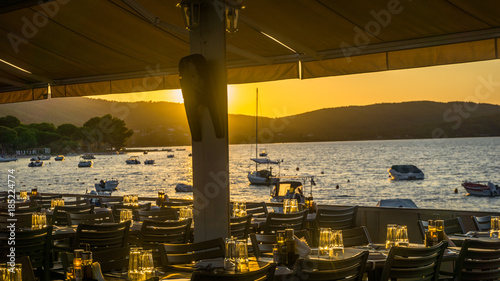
<point x="477" y="81"/>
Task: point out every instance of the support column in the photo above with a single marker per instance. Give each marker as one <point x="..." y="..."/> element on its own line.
<point x="211" y="154"/>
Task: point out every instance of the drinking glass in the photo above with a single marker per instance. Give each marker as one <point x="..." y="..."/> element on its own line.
<point x="241" y="254"/>
<point x="324" y="240"/>
<point x="23" y="195"/>
<point x="294" y="207"/>
<point x="243" y="209"/>
<point x="336" y="247"/>
<point x="286" y="206"/>
<point x="53" y="203"/>
<point x="135" y="200"/>
<point x="3" y="271"/>
<point x="60" y="202"/>
<point x="147" y="265"/>
<point x="432" y="225"/>
<point x="134" y="263"/>
<point x="391" y="235"/>
<point x="402" y="236"/>
<point x="495" y="226"/>
<point x="126" y="199"/>
<point x="42" y="220"/>
<point x="34" y="220"/>
<point x="11" y="274"/>
<point x="230" y="253"/>
<point x="126" y="215"/>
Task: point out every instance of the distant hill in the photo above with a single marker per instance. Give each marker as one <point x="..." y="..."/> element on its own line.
<point x="165" y="124"/>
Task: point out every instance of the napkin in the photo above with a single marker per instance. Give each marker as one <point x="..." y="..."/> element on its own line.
<point x="301" y="248"/>
<point x="96" y="272"/>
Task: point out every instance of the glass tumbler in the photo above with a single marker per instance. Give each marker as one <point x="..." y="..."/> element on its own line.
<point x="391" y="235"/>
<point x="495" y="226"/>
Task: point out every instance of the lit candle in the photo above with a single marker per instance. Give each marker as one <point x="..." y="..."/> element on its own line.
<point x="77" y="263"/>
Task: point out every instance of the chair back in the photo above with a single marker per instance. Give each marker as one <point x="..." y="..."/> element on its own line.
<point x="117" y="207"/>
<point x="102" y="217"/>
<point x="478" y="260"/>
<point x="482" y="223"/>
<point x="451" y="226"/>
<point x="335" y="218"/>
<point x="279" y="221"/>
<point x="27" y="269"/>
<point x="172" y="254"/>
<point x="102" y="236"/>
<point x="240" y="226"/>
<point x="82" y="202"/>
<point x="357" y="236"/>
<point x="257" y="210"/>
<point x="343" y="269"/>
<point x="32" y="243"/>
<point x="23" y="220"/>
<point x="110" y="260"/>
<point x="177" y="204"/>
<point x="161" y="232"/>
<point x="45" y="201"/>
<point x="163" y="214"/>
<point x="265" y="273"/>
<point x="109" y="202"/>
<point x="22" y="209"/>
<point x="414" y="263"/>
<point x="60" y="216"/>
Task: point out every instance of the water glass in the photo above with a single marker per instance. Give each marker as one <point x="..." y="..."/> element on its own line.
<point x="495" y="227"/>
<point x="23" y="195"/>
<point x="126" y="200"/>
<point x="431" y="226"/>
<point x="38" y="220"/>
<point x="7" y="273"/>
<point x="147" y="267"/>
<point x="286" y="206"/>
<point x="391" y="235"/>
<point x="336" y="247"/>
<point x="134" y="200"/>
<point x="241" y="255"/>
<point x="230" y="253"/>
<point x="134" y="263"/>
<point x="402" y="236"/>
<point x="126" y="215"/>
<point x="242" y="210"/>
<point x="294" y="207"/>
<point x="324" y="241"/>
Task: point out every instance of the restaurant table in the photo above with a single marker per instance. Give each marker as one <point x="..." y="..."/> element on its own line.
<point x="480" y="235"/>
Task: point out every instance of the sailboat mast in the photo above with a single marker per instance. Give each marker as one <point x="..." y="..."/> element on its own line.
<point x="256" y="126"/>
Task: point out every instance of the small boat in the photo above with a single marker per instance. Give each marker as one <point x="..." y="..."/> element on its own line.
<point x="149" y="162"/>
<point x="182" y="187"/>
<point x="59" y="158"/>
<point x="88" y="156"/>
<point x="397" y="203"/>
<point x="85" y="163"/>
<point x="405" y="172"/>
<point x="37" y="163"/>
<point x="481" y="188"/>
<point x="170" y="156"/>
<point x="263" y="153"/>
<point x="145" y="152"/>
<point x="133" y="160"/>
<point x="292" y="189"/>
<point x="104" y="185"/>
<point x="265" y="176"/>
<point x="7" y="159"/>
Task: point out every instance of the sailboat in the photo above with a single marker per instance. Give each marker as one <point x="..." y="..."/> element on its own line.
<point x="263" y="176"/>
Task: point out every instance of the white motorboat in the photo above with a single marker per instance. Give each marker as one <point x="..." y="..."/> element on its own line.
<point x="103" y="185"/>
<point x="182" y="187"/>
<point x="263" y="176"/>
<point x="85" y="163"/>
<point x="88" y="156"/>
<point x="133" y="160"/>
<point x="405" y="172"/>
<point x="481" y="188"/>
<point x="59" y="158"/>
<point x="40" y="157"/>
<point x="7" y="159"/>
<point x="37" y="163"/>
<point x="149" y="162"/>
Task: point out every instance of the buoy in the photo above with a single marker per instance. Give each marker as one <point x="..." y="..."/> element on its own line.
<point x="297" y="169"/>
<point x="456" y="190"/>
<point x="348" y="180"/>
<point x="337" y="187"/>
<point x="322" y="172"/>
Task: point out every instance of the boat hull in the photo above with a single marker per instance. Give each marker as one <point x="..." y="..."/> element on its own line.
<point x="405" y="172"/>
<point x="85" y="164"/>
<point x="7" y="159"/>
<point x="479" y="189"/>
<point x="108" y="186"/>
<point x="256" y="179"/>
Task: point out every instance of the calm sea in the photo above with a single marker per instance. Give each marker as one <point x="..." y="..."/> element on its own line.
<point x="359" y="168"/>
